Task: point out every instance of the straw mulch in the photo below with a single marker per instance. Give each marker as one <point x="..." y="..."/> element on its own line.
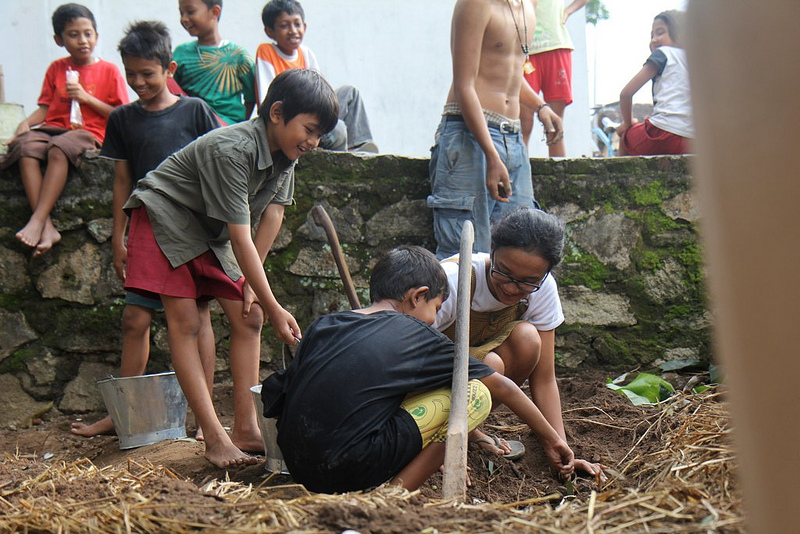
<point x="688" y="485"/>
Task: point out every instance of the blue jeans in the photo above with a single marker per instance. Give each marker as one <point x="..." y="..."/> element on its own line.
<point x="458" y="184"/>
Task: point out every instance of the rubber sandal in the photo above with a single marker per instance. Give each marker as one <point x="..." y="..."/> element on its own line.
<point x="517" y="448"/>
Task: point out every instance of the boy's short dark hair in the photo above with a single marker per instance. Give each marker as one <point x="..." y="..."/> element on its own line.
<point x="69" y="12"/>
<point x="211" y="3"/>
<point x="148" y="39"/>
<point x="407" y="267"/>
<point x="276" y="7"/>
<point x="674" y="20"/>
<point x="302" y="91"/>
<point x="531" y="230"/>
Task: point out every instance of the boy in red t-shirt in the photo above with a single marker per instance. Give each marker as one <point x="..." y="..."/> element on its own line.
<point x="54" y="133"/>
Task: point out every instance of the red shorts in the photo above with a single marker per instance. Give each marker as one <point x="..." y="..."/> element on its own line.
<point x="552" y="75"/>
<point x="644" y="139"/>
<point x="150" y="274"/>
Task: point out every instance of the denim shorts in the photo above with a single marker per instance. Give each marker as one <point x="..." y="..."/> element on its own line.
<point x="458" y="184"/>
<point x="144" y="302"/>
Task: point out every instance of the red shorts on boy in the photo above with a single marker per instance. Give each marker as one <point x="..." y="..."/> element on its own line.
<point x="552" y="75"/>
<point x="150" y="273"/>
<point x="644" y="139"/>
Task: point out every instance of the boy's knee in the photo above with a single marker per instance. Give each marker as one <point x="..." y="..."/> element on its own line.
<point x="135" y="320"/>
<point x="479" y="403"/>
<point x="56" y="154"/>
<point x="254" y="320"/>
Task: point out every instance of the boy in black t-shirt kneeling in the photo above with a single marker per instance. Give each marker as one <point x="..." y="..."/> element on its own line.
<point x="367" y="397"/>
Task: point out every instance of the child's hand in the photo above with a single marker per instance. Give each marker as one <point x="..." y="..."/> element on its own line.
<point x="249" y="299"/>
<point x="595" y="470"/>
<point x="120" y="260"/>
<point x="76" y="92"/>
<point x="622" y="128"/>
<point x="561" y="457"/>
<point x="21" y="129"/>
<point x="285" y="326"/>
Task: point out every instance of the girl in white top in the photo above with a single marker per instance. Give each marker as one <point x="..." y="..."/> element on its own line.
<point x="669" y="129"/>
<point x="514" y="312"/>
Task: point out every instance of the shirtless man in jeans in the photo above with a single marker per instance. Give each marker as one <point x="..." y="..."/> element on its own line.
<point x="479" y="166"/>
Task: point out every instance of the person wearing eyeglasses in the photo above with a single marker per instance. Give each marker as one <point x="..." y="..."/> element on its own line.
<point x="514" y="311"/>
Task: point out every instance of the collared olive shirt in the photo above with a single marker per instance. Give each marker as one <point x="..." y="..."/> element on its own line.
<point x="226" y="177"/>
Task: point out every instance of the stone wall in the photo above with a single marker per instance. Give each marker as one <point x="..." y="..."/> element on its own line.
<point x="631" y="283"/>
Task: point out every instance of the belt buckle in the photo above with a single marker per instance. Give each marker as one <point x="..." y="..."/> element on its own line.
<point x="505" y="127"/>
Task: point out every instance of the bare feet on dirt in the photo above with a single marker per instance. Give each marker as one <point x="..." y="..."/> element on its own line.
<point x="249" y="443"/>
<point x="103" y="427"/>
<point x="226" y="454"/>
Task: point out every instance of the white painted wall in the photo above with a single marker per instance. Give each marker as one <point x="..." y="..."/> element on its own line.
<point x="396" y="53"/>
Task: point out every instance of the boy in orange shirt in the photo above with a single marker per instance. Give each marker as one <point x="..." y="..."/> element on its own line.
<point x="284" y="23"/>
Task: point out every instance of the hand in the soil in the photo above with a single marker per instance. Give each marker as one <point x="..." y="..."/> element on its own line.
<point x="595" y="470"/>
<point x="561" y="457"/>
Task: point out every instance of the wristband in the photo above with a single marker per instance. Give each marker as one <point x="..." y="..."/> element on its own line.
<point x="545" y="105"/>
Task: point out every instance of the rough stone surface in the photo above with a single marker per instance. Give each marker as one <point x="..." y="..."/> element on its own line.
<point x="101" y="229"/>
<point x="19" y="408"/>
<point x="82" y="395"/>
<point x="404" y="222"/>
<point x="73" y="276"/>
<point x="42" y="368"/>
<point x="13" y="275"/>
<point x="318" y="262"/>
<point x="584" y="306"/>
<point x="14" y="332"/>
<point x="667" y="283"/>
<point x="610" y="237"/>
<point x="683" y="206"/>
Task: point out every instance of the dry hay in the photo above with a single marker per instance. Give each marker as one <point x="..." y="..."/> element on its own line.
<point x="687" y="485"/>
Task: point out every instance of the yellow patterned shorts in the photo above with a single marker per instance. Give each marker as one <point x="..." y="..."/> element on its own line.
<point x="431" y="409"/>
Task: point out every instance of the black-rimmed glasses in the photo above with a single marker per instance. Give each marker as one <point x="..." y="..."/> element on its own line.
<point x="502" y="278"/>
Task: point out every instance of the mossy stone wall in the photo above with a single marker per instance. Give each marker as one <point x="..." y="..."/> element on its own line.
<point x="631" y="283"/>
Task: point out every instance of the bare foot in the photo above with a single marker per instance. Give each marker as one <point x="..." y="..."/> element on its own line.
<point x="227" y="454"/>
<point x="199" y="434"/>
<point x="248" y="441"/>
<point x="102" y="427"/>
<point x="50" y="236"/>
<point x="31" y="233"/>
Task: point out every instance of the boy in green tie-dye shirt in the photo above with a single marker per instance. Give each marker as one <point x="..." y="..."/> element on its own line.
<point x="218" y="71"/>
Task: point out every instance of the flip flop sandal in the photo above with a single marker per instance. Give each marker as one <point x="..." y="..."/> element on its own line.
<point x="517" y="448"/>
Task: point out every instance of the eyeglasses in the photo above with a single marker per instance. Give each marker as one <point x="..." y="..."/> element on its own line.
<point x="502" y="278"/>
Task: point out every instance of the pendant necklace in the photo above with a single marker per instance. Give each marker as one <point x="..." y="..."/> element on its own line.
<point x="527" y="67"/>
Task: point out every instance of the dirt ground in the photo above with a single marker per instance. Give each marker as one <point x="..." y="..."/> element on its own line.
<point x="602" y="426"/>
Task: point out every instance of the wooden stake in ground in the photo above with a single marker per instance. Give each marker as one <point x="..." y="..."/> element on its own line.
<point x="455" y="456"/>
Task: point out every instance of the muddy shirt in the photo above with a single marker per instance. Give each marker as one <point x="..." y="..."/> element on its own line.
<point x="340" y="423"/>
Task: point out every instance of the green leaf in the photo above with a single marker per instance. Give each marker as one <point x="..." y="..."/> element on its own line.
<point x="645" y="389"/>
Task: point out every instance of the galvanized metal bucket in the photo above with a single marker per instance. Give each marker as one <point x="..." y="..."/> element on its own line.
<point x="269" y="433"/>
<point x="145" y="409"/>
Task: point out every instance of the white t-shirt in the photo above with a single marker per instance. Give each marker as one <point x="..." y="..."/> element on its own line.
<point x="672" y="105"/>
<point x="544" y="306"/>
